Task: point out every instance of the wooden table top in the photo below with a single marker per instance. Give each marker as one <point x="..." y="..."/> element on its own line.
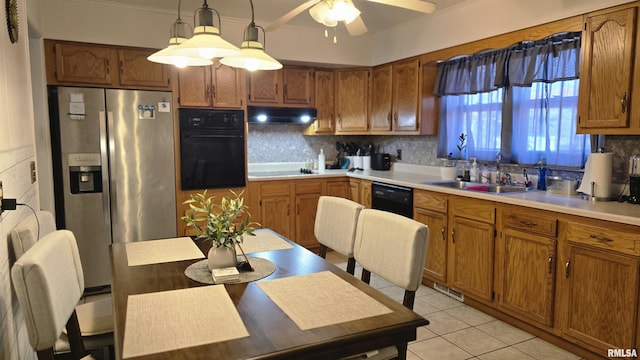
<point x="273" y="335"/>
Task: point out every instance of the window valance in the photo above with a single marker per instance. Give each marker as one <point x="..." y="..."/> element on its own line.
<point x="555" y="58"/>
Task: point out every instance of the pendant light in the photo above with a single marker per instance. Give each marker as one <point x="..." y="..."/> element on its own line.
<point x="178" y="34"/>
<point x="206" y="41"/>
<point x="252" y="56"/>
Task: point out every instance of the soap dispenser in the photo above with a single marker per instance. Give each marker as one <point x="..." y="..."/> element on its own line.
<point x="473" y="172"/>
<point x="542" y="174"/>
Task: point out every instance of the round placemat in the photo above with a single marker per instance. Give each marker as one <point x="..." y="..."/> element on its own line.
<point x="200" y="272"/>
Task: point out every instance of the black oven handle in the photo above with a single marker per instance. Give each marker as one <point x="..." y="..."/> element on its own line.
<point x="206" y="136"/>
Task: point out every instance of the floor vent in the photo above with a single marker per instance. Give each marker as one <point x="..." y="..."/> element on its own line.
<point x="449" y="292"/>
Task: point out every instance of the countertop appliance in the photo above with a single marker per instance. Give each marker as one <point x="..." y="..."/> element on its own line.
<point x="212" y="148"/>
<point x="114" y="173"/>
<point x="392" y="198"/>
<point x="381" y="161"/>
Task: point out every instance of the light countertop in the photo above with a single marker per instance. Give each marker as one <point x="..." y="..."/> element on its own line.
<point x="417" y="177"/>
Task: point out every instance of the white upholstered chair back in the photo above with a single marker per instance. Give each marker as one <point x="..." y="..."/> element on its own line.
<point x="27" y="232"/>
<point x="391" y="246"/>
<point x="335" y="226"/>
<point x="49" y="282"/>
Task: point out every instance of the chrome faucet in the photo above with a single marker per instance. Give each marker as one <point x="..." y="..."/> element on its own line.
<point x="498" y="176"/>
<point x="507" y="179"/>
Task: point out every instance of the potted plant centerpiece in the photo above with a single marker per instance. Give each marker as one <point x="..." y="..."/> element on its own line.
<point x="222" y="224"/>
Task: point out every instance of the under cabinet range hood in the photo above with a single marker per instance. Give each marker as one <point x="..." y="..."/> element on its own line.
<point x="282" y="115"/>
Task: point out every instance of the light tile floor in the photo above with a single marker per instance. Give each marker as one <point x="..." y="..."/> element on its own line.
<point x="458" y="331"/>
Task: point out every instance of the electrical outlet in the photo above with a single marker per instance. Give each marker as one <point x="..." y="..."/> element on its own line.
<point x="0" y="197"/>
<point x="32" y="169"/>
<point x="398" y="154"/>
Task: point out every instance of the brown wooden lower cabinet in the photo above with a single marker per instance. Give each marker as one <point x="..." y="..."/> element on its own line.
<point x="526" y="260"/>
<point x="471" y="251"/>
<point x="431" y="209"/>
<point x="598" y="288"/>
<point x="306" y="199"/>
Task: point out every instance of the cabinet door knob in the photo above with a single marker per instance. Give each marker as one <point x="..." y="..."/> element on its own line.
<point x="567" y="266"/>
<point x="453" y="236"/>
<point x="528" y="223"/>
<point x="444" y="231"/>
<point x="550" y="263"/>
<point x="623" y="103"/>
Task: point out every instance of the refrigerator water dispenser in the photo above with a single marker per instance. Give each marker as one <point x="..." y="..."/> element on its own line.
<point x="85" y="173"/>
<point x="85" y="179"/>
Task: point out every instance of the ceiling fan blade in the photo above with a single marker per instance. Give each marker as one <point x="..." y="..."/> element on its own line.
<point x="415" y="5"/>
<point x="356" y="27"/>
<point x="291" y="14"/>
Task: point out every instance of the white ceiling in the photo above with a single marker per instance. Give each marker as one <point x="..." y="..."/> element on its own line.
<point x="377" y="17"/>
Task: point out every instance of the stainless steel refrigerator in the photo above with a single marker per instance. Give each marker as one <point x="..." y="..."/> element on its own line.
<point x="114" y="175"/>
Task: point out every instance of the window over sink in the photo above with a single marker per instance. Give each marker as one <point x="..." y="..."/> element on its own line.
<point x="520" y="102"/>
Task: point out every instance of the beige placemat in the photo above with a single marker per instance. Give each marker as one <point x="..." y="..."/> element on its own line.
<point x="321" y="299"/>
<point x="170" y="320"/>
<point x="265" y="240"/>
<point x="162" y="251"/>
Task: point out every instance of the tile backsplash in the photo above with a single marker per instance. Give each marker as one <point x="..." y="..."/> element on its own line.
<point x="286" y="143"/>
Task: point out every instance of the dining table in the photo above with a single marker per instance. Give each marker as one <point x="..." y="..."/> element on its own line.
<point x="295" y="305"/>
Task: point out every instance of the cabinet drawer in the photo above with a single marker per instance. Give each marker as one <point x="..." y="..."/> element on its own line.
<point x="530" y="220"/>
<point x="429" y="201"/>
<point x="307" y="188"/>
<point x="479" y="210"/>
<point x="603" y="237"/>
<point x="275" y="188"/>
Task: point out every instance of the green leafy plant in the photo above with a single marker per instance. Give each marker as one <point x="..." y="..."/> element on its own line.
<point x="220" y="223"/>
<point x="462" y="146"/>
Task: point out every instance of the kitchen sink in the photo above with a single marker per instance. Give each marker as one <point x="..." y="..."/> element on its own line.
<point x="474" y="186"/>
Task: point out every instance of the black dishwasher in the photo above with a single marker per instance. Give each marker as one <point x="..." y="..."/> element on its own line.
<point x="392" y="198"/>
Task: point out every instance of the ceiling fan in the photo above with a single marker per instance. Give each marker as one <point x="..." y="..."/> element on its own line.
<point x="331" y="12"/>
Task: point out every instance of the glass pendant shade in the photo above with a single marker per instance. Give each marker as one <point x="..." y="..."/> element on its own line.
<point x="252" y="57"/>
<point x="206" y="41"/>
<point x="169" y="57"/>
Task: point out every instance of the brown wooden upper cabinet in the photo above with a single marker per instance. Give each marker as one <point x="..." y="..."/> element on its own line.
<point x="352" y="100"/>
<point x="289" y="86"/>
<point x="73" y="63"/>
<point x="606" y="71"/>
<point x="381" y="98"/>
<point x="210" y="86"/>
<point x="325" y="102"/>
<point x="394" y="96"/>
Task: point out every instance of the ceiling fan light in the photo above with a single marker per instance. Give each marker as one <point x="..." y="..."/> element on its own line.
<point x="344" y="10"/>
<point x="319" y="11"/>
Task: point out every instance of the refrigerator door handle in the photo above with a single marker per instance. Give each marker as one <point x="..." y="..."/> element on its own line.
<point x="104" y="161"/>
<point x="112" y="167"/>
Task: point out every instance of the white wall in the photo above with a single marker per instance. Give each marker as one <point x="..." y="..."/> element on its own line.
<point x="110" y="23"/>
<point x="474" y="20"/>
<point x="104" y="22"/>
<point x="16" y="151"/>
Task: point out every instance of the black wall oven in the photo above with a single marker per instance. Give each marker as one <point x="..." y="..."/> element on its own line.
<point x="212" y="148"/>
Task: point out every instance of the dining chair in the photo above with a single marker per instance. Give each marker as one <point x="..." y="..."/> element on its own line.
<point x="394" y="248"/>
<point x="94" y="317"/>
<point x="49" y="282"/>
<point x="27" y="232"/>
<point x="335" y="227"/>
